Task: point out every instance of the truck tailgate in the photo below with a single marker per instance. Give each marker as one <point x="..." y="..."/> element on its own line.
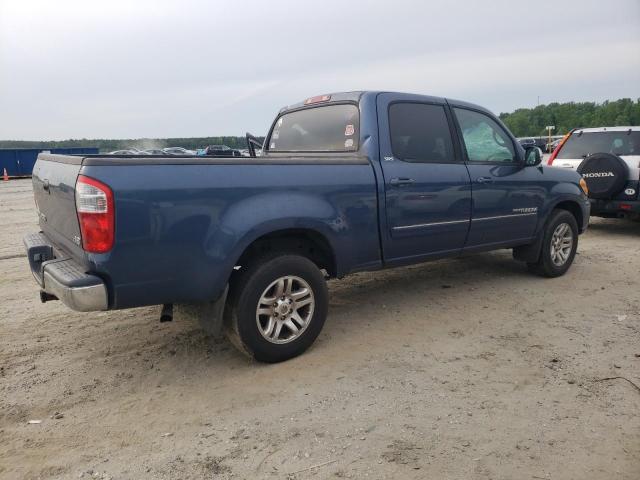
<point x="54" y="179"/>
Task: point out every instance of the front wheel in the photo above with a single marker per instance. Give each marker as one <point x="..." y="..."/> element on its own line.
<point x="277" y="307"/>
<point x="559" y="245"/>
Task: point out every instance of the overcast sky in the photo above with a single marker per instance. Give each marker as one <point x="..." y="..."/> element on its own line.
<point x="129" y="69"/>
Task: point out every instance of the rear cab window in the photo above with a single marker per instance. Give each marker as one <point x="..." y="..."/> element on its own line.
<point x="582" y="144"/>
<point x="326" y="128"/>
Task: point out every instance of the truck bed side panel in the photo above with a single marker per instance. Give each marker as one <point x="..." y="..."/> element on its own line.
<point x="181" y="228"/>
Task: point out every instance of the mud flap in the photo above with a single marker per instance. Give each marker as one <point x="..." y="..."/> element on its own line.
<point x="208" y="315"/>
<point x="529" y="253"/>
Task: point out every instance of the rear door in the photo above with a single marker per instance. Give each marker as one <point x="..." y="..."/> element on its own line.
<point x="427" y="191"/>
<point x="506" y="194"/>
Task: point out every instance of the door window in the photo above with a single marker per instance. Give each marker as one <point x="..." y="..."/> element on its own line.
<point x="420" y="133"/>
<point x="484" y="139"/>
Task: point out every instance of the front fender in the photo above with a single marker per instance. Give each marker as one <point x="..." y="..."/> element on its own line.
<point x="564" y="191"/>
<point x="531" y="252"/>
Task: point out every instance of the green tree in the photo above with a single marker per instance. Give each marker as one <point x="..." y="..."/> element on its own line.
<point x="531" y="122"/>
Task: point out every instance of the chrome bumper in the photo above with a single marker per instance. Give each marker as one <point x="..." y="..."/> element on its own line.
<point x="64" y="278"/>
<point x="80" y="298"/>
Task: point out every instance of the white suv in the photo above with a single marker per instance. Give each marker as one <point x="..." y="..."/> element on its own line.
<point x="609" y="160"/>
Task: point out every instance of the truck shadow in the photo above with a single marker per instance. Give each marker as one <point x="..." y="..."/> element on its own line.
<point x="445" y="278"/>
<point x="128" y="357"/>
<point x="369" y="314"/>
<point x="355" y="299"/>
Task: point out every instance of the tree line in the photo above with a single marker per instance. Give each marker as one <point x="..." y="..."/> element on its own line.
<point x="524" y="122"/>
<point x="531" y="122"/>
<point x="108" y="145"/>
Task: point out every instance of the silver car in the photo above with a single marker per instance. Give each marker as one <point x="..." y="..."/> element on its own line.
<point x="178" y="151"/>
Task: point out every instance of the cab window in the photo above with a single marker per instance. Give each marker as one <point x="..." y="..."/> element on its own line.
<point x="330" y="128"/>
<point x="484" y="139"/>
<point x="420" y="133"/>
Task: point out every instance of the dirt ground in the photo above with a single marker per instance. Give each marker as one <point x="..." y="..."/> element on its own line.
<point x="458" y="369"/>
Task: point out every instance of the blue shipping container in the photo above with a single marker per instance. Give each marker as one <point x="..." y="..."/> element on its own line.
<point x="19" y="162"/>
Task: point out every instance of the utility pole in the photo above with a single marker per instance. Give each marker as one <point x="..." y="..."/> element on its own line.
<point x="549" y="128"/>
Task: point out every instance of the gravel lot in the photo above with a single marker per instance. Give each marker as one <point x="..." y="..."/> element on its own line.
<point x="459" y="369"/>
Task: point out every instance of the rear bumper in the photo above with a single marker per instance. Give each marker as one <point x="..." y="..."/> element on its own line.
<point x="614" y="208"/>
<point x="63" y="277"/>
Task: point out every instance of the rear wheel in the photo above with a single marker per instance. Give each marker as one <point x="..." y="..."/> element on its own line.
<point x="277" y="307"/>
<point x="559" y="245"/>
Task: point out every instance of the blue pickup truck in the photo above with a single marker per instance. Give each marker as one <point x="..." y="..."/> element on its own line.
<point x="346" y="182"/>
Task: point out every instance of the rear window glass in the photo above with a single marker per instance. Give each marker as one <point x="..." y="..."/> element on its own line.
<point x="330" y="128"/>
<point x="617" y="143"/>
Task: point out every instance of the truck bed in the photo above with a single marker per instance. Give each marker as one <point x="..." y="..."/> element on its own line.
<point x="181" y="223"/>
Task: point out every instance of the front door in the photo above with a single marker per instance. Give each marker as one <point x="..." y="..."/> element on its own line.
<point x="427" y="190"/>
<point x="506" y="194"/>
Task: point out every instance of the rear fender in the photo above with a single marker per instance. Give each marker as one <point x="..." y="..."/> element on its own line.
<point x="263" y="214"/>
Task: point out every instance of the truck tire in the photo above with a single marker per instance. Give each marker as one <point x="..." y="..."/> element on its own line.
<point x="277" y="307"/>
<point x="559" y="245"/>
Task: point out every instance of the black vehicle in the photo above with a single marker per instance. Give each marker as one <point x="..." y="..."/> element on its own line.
<point x="221" y="151"/>
<point x="539" y="142"/>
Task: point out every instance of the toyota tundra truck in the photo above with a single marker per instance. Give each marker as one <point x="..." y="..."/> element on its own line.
<point x="347" y="182"/>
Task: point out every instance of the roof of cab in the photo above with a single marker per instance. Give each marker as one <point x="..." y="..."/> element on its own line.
<point x="333" y="97"/>
<point x="355" y="96"/>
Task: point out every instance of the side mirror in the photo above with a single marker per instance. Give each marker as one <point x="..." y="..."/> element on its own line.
<point x="532" y="156"/>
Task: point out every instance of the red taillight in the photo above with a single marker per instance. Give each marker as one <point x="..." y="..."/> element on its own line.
<point x="555" y="152"/>
<point x="94" y="204"/>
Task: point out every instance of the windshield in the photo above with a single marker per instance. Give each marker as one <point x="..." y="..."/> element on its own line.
<point x="617" y="143"/>
<point x="330" y="128"/>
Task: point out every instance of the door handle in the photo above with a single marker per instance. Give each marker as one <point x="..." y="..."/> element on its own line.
<point x="397" y="182"/>
<point x="484" y="180"/>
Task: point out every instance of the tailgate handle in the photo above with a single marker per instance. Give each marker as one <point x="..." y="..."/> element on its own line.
<point x="45" y="185"/>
